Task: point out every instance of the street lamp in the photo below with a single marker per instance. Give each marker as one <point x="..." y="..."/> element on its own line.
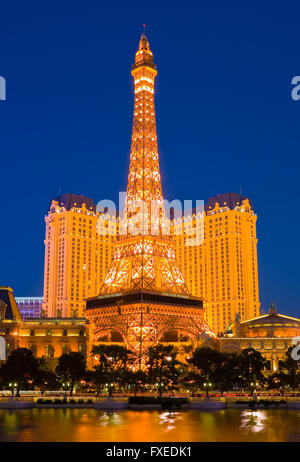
<point x="207" y="386"/>
<point x="12" y="386"/>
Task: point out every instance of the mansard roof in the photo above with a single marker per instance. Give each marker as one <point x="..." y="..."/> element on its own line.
<point x="68" y="201"/>
<point x="12" y="311"/>
<point x="230" y="200"/>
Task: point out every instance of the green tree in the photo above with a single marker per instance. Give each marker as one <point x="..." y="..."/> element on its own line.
<point x="113" y="362"/>
<point x="191" y="380"/>
<point x="71" y="368"/>
<point x="290" y="367"/>
<point x="113" y="357"/>
<point x="101" y="379"/>
<point x="205" y="361"/>
<point x="136" y="379"/>
<point x="215" y="367"/>
<point x="163" y="367"/>
<point x="277" y="381"/>
<point x="226" y="374"/>
<point x="251" y="365"/>
<point x="46" y="380"/>
<point x="21" y="368"/>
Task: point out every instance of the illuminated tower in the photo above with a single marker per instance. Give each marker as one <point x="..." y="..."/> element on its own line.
<point x="144" y="294"/>
<point x="147" y="261"/>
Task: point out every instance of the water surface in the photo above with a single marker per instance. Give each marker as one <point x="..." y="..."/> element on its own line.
<point x="135" y="426"/>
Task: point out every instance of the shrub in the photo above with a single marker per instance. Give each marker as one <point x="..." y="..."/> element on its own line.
<point x="263" y="402"/>
<point x="165" y="403"/>
<point x="144" y="400"/>
<point x="271" y="402"/>
<point x="44" y="401"/>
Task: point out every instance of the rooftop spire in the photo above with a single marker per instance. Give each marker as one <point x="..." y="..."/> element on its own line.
<point x="144" y="39"/>
<point x="144" y="56"/>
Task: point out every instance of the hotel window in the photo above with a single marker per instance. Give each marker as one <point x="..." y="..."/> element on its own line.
<point x="33" y="349"/>
<point x="81" y="348"/>
<point x="49" y="351"/>
<point x="66" y="349"/>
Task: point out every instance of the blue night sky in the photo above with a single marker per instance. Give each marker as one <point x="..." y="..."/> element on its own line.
<point x="225" y="117"/>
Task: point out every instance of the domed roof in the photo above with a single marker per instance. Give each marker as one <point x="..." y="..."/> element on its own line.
<point x="272" y="319"/>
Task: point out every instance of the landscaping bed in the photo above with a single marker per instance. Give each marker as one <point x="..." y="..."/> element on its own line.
<point x="261" y="403"/>
<point x="158" y="402"/>
<point x="64" y="403"/>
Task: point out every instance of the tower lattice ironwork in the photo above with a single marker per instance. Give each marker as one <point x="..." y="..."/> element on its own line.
<point x="144" y="293"/>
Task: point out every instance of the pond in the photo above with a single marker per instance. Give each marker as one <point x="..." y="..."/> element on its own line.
<point x="70" y="425"/>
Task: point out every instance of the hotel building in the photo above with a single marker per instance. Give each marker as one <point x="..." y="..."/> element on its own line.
<point x="222" y="270"/>
<point x="30" y="307"/>
<point x="76" y="255"/>
<point x="45" y="337"/>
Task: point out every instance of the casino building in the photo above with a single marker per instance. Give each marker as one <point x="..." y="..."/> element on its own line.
<point x="222" y="270"/>
<point x="271" y="334"/>
<point x="79" y="246"/>
<point x="30" y="307"/>
<point x="45" y="337"/>
<point x="208" y="285"/>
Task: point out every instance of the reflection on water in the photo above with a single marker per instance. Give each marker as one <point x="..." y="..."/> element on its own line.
<point x="169" y="420"/>
<point x="93" y="425"/>
<point x="253" y="421"/>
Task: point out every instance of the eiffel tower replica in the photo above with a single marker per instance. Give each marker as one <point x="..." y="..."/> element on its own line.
<point x="144" y="294"/>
